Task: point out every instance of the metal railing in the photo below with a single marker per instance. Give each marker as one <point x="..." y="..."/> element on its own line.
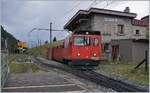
<point x="4" y="64"/>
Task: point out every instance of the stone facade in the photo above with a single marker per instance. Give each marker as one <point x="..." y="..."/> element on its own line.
<point x="108" y="25"/>
<point x="130" y="50"/>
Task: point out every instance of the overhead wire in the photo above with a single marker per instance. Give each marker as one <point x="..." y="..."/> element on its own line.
<point x="92" y="4"/>
<point x="69" y="11"/>
<point x="73" y="8"/>
<point x="108" y="4"/>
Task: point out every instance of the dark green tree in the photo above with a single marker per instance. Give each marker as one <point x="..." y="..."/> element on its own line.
<point x="11" y="40"/>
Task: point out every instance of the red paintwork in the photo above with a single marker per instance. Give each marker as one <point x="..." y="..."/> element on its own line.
<point x="86" y="52"/>
<point x="140" y="22"/>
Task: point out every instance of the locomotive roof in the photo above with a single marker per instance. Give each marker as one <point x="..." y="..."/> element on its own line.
<point x="85" y="31"/>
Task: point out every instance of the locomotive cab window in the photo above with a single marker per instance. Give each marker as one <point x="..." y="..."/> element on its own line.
<point x="95" y="43"/>
<point x="82" y="41"/>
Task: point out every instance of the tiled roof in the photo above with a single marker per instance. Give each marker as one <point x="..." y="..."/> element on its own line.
<point x="139" y="22"/>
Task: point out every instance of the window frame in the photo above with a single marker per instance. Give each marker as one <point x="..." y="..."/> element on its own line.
<point x="137" y="31"/>
<point x="82" y="42"/>
<point x="121" y="29"/>
<point x="94" y="41"/>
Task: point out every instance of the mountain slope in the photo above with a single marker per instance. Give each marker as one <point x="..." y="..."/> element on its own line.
<point x="11" y="40"/>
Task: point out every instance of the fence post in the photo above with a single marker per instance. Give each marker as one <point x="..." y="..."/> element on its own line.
<point x="4" y="63"/>
<point x="146" y="60"/>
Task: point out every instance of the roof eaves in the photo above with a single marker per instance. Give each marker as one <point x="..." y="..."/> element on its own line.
<point x="112" y="12"/>
<point x="102" y="11"/>
<point x="79" y="12"/>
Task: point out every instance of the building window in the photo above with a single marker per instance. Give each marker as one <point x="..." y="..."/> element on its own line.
<point x="120" y="29"/>
<point x="137" y="32"/>
<point x="106" y="47"/>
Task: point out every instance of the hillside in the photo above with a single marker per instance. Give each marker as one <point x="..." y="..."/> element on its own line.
<point x="12" y="41"/>
<point x="42" y="50"/>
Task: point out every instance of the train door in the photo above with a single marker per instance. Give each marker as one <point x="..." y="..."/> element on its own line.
<point x="81" y="47"/>
<point x="96" y="48"/>
<point x="115" y="52"/>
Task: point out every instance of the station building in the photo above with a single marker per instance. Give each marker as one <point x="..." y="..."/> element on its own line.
<point x="113" y="25"/>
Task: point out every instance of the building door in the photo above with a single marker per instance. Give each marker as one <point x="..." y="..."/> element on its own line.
<point x="115" y="52"/>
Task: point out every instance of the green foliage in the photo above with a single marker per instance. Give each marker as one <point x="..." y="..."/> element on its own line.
<point x="43" y="49"/>
<point x="34" y="68"/>
<point x="12" y="57"/>
<point x="11" y="40"/>
<point x="39" y="51"/>
<point x="23" y="68"/>
<point x="18" y="68"/>
<point x="54" y="39"/>
<point x="125" y="70"/>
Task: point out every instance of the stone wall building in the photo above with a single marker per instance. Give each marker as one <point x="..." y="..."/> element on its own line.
<point x="129" y="50"/>
<point x="113" y="25"/>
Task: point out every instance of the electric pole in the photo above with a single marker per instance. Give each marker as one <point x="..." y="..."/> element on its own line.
<point x="50" y="46"/>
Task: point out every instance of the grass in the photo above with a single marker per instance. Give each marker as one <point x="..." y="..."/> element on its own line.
<point x="18" y="68"/>
<point x="34" y="68"/>
<point x="39" y="51"/>
<point x="23" y="68"/>
<point x="43" y="49"/>
<point x="125" y="70"/>
<point x="12" y="57"/>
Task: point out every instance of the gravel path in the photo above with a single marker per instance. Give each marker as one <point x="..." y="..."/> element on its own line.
<point x="50" y="80"/>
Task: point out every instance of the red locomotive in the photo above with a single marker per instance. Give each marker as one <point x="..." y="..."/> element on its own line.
<point x="82" y="48"/>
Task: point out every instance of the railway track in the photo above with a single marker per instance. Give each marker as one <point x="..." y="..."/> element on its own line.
<point x="97" y="78"/>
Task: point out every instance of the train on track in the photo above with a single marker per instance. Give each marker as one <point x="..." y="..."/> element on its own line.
<point x="81" y="48"/>
<point x="22" y="47"/>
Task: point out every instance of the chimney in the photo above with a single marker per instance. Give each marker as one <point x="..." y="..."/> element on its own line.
<point x="127" y="10"/>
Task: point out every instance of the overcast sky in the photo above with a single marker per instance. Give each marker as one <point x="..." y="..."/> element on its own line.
<point x="20" y="16"/>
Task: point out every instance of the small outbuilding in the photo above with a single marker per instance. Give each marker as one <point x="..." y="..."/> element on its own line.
<point x="129" y="50"/>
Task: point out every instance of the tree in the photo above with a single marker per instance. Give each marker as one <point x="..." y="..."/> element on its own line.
<point x="54" y="39"/>
<point x="11" y="40"/>
<point x="46" y="42"/>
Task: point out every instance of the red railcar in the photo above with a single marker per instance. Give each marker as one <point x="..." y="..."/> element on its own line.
<point x="80" y="48"/>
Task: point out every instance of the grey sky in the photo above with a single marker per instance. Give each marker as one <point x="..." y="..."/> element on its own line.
<point x="19" y="17"/>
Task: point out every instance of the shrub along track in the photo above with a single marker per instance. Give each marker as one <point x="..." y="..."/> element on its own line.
<point x="95" y="77"/>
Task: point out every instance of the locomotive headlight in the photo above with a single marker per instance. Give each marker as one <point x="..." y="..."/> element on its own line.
<point x="94" y="54"/>
<point x="78" y="54"/>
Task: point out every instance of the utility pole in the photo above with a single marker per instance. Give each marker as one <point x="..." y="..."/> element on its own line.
<point x="50" y="46"/>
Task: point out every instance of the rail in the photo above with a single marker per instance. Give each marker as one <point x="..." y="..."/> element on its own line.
<point x="109" y="82"/>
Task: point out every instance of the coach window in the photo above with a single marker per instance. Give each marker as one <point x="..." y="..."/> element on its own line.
<point x="95" y="42"/>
